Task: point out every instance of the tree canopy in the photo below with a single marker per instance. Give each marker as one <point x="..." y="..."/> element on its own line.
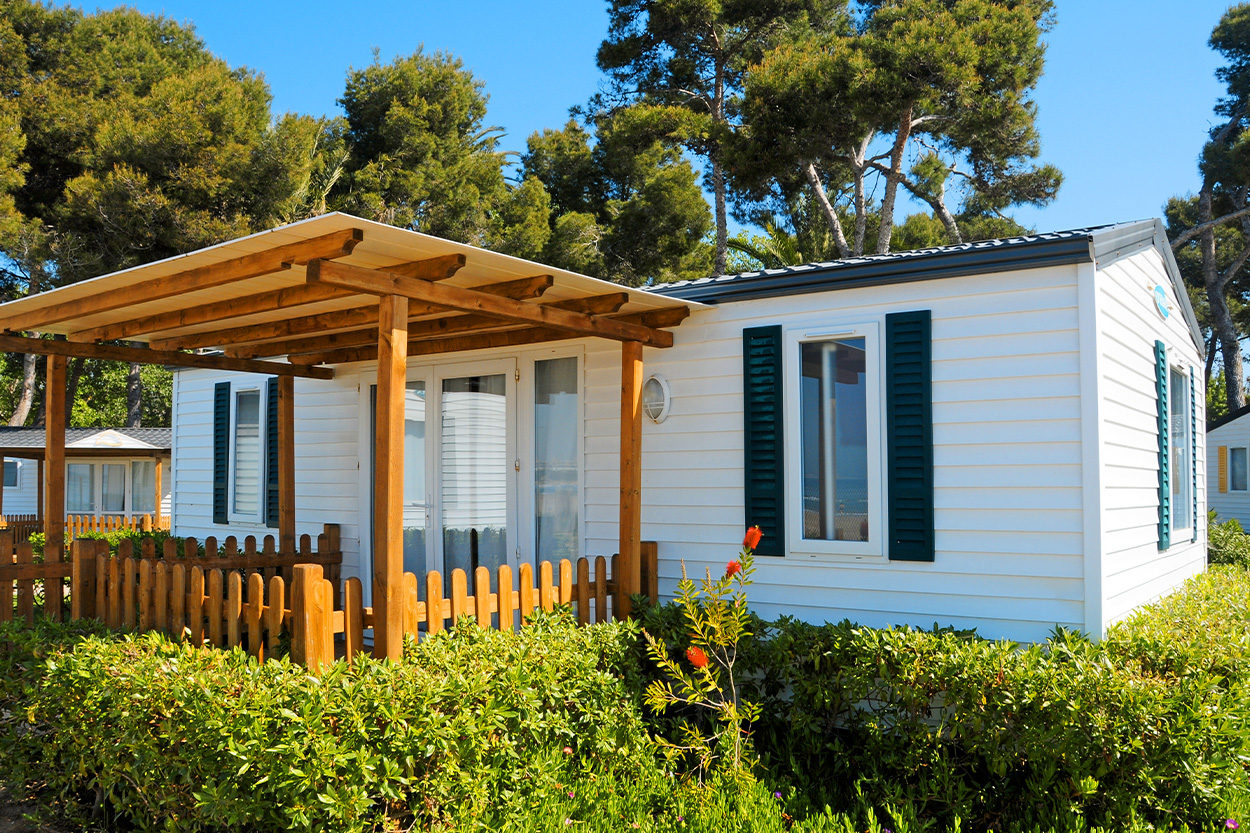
<point x="1210" y="232"/>
<point x="831" y="109"/>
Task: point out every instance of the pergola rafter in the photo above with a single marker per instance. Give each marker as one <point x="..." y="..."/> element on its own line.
<point x="422" y="328"/>
<point x="336" y="244"/>
<point x="328" y="322"/>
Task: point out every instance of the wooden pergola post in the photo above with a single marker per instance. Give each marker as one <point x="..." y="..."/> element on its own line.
<point x="54" y="470"/>
<point x="39" y="485"/>
<point x="286" y="463"/>
<point x="388" y="486"/>
<point x="629" y="562"/>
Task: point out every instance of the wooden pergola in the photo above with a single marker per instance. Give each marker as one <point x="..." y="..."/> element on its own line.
<point x="327" y="291"/>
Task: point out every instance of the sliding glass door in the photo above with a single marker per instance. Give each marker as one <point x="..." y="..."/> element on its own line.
<point x="460" y="468"/>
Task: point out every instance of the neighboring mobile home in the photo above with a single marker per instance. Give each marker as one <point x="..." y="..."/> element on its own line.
<point x="998" y="435"/>
<point x="109" y="472"/>
<point x="1228" y="466"/>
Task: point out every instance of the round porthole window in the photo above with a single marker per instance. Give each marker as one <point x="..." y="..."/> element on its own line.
<point x="656" y="398"/>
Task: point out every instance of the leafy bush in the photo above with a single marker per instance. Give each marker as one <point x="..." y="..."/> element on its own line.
<point x="114" y="538"/>
<point x="1227" y="542"/>
<point x="1146" y="726"/>
<point x="172" y="737"/>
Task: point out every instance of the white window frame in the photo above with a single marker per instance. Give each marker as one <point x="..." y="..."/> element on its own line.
<point x="17" y="474"/>
<point x="874" y="549"/>
<point x="1187" y="482"/>
<point x="257" y="517"/>
<point x="1246" y="450"/>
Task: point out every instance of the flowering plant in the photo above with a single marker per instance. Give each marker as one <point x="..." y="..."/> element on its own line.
<point x="716" y="616"/>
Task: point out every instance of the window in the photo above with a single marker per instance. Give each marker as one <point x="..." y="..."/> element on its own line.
<point x="113" y="488"/>
<point x="833" y="407"/>
<point x="246" y="472"/>
<point x="1181" y="450"/>
<point x="143" y="486"/>
<point x="1238" y="471"/>
<point x="80" y="491"/>
<point x="835" y="425"/>
<point x="10" y="474"/>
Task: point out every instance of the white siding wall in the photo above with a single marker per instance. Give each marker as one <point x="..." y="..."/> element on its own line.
<point x="1228" y="504"/>
<point x="326" y="458"/>
<point x="23" y="499"/>
<point x="1007" y="454"/>
<point x="1135" y="571"/>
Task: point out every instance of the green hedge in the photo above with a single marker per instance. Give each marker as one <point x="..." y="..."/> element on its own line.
<point x="1227" y="542"/>
<point x="1151" y="725"/>
<point x="170" y="737"/>
<point x="1150" y="729"/>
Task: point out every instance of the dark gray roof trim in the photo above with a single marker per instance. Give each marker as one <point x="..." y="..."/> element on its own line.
<point x="1008" y="254"/>
<point x="34" y="437"/>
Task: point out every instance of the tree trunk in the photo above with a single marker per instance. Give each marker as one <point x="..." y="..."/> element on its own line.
<point x="27" y="397"/>
<point x="831" y="216"/>
<point x="891" y="182"/>
<point x="1221" y="318"/>
<point x="722" y="226"/>
<point x="1211" y="345"/>
<point x="718" y="173"/>
<point x="72" y="376"/>
<point x="134" y="397"/>
<point x="858" y="169"/>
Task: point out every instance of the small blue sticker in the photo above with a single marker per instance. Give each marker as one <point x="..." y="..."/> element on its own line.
<point x="1161" y="300"/>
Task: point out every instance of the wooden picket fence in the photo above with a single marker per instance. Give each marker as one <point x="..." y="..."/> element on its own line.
<point x="26" y="586"/>
<point x="78" y="525"/>
<point x="315" y="621"/>
<point x="225" y="602"/>
<point x="23" y="526"/>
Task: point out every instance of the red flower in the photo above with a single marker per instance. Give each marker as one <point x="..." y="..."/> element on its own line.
<point x="696" y="656"/>
<point x="733" y="568"/>
<point x="752" y="539"/>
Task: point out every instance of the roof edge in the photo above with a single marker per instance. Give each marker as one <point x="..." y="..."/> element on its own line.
<point x="1229" y="417"/>
<point x="934" y="265"/>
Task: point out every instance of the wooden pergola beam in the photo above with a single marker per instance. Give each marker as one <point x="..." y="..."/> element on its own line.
<point x="454" y="324"/>
<point x="382" y="283"/>
<point x="428" y="328"/>
<point x="669" y="317"/>
<point x="324" y="248"/>
<point x="139" y="355"/>
<point x="327" y="322"/>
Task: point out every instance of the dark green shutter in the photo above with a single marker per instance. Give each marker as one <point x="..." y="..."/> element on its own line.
<point x="1193" y="451"/>
<point x="764" y="430"/>
<point x="1165" y="491"/>
<point x="271" y="452"/>
<point x="221" y="452"/>
<point x="909" y="436"/>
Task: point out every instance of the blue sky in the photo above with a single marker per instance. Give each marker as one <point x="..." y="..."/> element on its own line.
<point x="1123" y="108"/>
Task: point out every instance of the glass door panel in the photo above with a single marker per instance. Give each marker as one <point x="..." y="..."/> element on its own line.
<point x="476" y="470"/>
<point x="556" y="470"/>
<point x="416" y="494"/>
<point x="416" y="501"/>
<point x="113" y="488"/>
